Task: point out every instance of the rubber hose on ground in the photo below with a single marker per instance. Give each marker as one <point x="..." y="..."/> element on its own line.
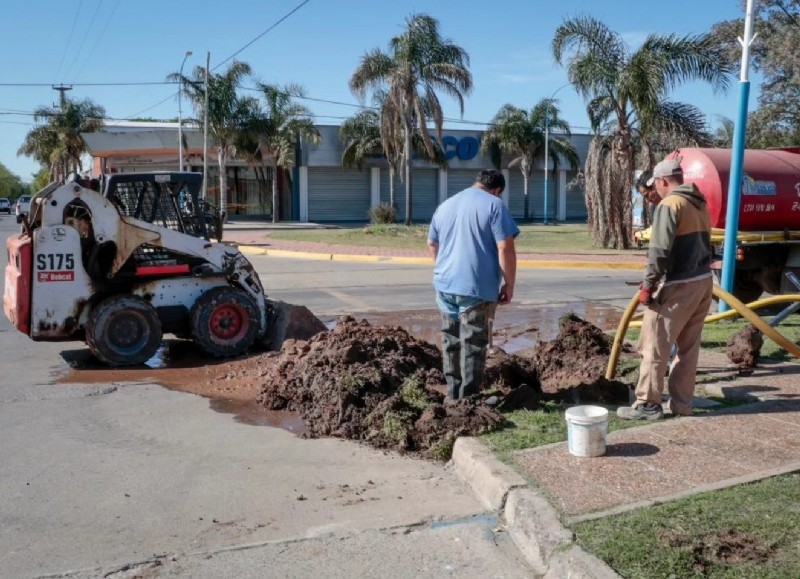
<point x="636" y="320"/>
<point x="740" y="309"/>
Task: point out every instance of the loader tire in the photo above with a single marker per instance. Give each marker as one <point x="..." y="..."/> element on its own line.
<point x="224" y="322"/>
<point x="123" y="330"/>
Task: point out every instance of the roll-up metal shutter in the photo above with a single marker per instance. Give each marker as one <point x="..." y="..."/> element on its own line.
<point x="516" y="195"/>
<point x="460" y="179"/>
<point x="576" y="200"/>
<point x="425" y="194"/>
<point x="336" y="194"/>
<point x="425" y="183"/>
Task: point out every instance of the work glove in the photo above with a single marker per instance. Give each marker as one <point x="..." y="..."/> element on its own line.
<point x="645" y="295"/>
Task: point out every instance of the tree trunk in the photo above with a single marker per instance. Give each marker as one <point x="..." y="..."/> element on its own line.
<point x="275" y="193"/>
<point x="609" y="171"/>
<point x="525" y="195"/>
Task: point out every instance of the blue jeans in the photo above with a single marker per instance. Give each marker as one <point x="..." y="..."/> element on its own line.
<point x="466" y="331"/>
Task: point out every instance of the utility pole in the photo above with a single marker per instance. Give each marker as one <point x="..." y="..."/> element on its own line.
<point x="737" y="162"/>
<point x="61" y="102"/>
<point x="547" y="145"/>
<point x="62" y="88"/>
<point x="205" y="131"/>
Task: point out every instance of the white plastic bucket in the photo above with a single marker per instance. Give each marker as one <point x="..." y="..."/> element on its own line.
<point x="587" y="427"/>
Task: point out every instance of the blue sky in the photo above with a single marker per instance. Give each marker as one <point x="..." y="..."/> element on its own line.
<point x="118" y="41"/>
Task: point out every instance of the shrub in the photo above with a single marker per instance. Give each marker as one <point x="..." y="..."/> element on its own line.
<point x="383" y="213"/>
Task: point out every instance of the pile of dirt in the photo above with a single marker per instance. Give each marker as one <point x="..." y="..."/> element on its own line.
<point x="571" y="368"/>
<point x="374" y="384"/>
<point x="382" y="386"/>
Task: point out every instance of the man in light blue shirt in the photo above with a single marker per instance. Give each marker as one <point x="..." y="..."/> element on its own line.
<point x="471" y="238"/>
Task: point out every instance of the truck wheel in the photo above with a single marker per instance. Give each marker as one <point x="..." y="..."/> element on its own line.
<point x="224" y="322"/>
<point x="123" y="330"/>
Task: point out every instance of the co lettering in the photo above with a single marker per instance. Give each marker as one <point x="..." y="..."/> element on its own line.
<point x="464" y="148"/>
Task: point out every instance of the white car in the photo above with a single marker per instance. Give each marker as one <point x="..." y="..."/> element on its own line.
<point x="5" y="205"/>
<point x="23" y="207"/>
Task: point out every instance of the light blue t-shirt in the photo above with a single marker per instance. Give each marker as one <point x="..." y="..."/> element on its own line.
<point x="467" y="228"/>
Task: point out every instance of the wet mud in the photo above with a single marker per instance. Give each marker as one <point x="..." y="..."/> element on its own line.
<point x="382" y="384"/>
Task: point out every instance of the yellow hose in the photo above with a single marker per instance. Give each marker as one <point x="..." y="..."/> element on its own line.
<point x="636" y="319"/>
<point x="739" y="308"/>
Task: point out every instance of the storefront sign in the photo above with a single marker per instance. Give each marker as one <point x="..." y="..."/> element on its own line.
<point x="465" y="148"/>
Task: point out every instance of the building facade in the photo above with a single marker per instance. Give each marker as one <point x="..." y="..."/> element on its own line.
<point x="320" y="189"/>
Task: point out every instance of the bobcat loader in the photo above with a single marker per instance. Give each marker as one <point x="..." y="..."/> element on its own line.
<point x="121" y="266"/>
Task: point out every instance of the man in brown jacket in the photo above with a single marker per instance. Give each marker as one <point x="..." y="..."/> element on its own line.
<point x="677" y="292"/>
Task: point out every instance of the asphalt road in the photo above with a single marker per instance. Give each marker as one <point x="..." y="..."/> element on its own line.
<point x="131" y="479"/>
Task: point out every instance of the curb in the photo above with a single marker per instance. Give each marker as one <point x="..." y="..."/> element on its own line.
<point x="532" y="522"/>
<point x="409" y="260"/>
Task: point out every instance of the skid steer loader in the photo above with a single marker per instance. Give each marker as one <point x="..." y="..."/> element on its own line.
<point x="120" y="266"/>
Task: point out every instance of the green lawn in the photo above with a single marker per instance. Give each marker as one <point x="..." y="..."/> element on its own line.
<point x="532" y="239"/>
<point x="744" y="531"/>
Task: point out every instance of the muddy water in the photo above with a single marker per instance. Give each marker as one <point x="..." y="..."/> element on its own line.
<point x="179" y="365"/>
<point x="515" y="327"/>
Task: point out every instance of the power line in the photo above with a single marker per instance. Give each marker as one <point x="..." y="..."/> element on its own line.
<point x="295" y="9"/>
<point x="69" y="39"/>
<point x="83" y="38"/>
<point x="152" y="107"/>
<point x="98" y="37"/>
<point x="24" y="84"/>
<point x="253" y="89"/>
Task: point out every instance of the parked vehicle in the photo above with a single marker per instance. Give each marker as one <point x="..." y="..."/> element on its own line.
<point x="768" y="240"/>
<point x="23" y="207"/>
<point x="5" y="205"/>
<point x="121" y="267"/>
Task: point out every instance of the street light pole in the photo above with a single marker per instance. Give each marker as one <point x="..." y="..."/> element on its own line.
<point x="547" y="145"/>
<point x="180" y="120"/>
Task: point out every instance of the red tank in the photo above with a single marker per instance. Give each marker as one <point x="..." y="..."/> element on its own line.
<point x="770" y="197"/>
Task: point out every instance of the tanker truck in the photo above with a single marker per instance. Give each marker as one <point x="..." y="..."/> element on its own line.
<point x="768" y="241"/>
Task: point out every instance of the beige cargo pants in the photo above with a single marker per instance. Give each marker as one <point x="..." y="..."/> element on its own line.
<point x="675" y="317"/>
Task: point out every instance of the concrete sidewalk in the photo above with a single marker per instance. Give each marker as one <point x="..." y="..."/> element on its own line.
<point x="254" y="237"/>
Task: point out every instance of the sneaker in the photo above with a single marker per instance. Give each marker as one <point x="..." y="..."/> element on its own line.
<point x="646" y="411"/>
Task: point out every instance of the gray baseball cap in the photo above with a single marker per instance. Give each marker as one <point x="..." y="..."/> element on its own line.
<point x="666" y="168"/>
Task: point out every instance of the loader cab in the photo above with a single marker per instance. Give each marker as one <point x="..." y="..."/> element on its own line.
<point x="167" y="199"/>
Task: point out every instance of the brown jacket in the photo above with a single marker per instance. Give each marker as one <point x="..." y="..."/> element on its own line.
<point x="680" y="242"/>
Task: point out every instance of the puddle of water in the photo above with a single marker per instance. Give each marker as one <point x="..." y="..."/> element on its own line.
<point x="490" y="521"/>
<point x="516" y="327"/>
<point x="250" y="412"/>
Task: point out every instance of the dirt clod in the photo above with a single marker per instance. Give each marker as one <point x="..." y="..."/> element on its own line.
<point x="744" y="347"/>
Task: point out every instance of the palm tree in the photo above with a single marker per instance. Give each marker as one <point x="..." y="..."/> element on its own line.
<point x="361" y="137"/>
<point x="57" y="144"/>
<point x="364" y="134"/>
<point x="516" y="132"/>
<point x="626" y="94"/>
<point x="285" y="122"/>
<point x="228" y="113"/>
<point x="723" y="136"/>
<point x="419" y="63"/>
